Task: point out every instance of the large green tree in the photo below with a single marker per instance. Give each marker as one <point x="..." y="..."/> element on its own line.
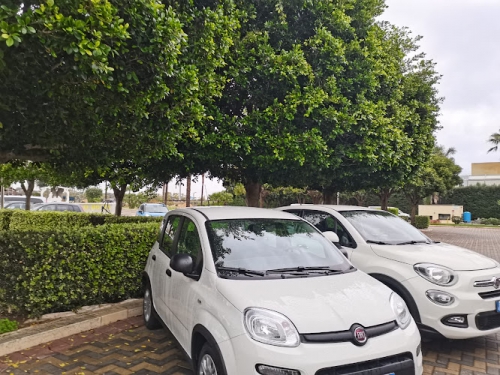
<point x="439" y="174"/>
<point x="390" y="132"/>
<point x="98" y="82"/>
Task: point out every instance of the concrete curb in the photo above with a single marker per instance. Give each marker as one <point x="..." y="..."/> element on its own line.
<point x="40" y="334"/>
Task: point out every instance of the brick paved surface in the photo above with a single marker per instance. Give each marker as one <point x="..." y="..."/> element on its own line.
<point x="483" y="240"/>
<point x="127" y="347"/>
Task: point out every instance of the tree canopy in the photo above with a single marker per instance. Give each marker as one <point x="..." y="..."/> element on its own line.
<point x="295" y="93"/>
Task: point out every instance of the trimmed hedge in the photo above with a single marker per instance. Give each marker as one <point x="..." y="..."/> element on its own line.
<point x="46" y="220"/>
<point x="422" y="222"/>
<point x="47" y="271"/>
<point x="393" y="210"/>
<point x="5" y="216"/>
<point x="479" y="200"/>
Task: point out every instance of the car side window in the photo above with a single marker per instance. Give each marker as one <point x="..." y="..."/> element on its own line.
<point x="189" y="243"/>
<point x="326" y="222"/>
<point x="295" y="212"/>
<point x="170" y="229"/>
<point x="318" y="219"/>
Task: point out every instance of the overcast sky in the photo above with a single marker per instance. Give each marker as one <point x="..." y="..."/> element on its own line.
<point x="463" y="38"/>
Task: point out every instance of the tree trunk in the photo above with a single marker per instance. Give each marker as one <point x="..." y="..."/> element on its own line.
<point x="165" y="193"/>
<point x="413" y="213"/>
<point x="384" y="196"/>
<point x="28" y="191"/>
<point x="119" y="195"/>
<point x="252" y="193"/>
<point x="188" y="191"/>
<point x="329" y="195"/>
<point x="316" y="196"/>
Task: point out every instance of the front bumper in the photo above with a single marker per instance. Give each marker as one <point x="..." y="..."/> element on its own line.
<point x="242" y="354"/>
<point x="480" y="312"/>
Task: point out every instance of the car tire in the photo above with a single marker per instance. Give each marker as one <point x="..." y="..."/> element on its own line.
<point x="151" y="318"/>
<point x="209" y="362"/>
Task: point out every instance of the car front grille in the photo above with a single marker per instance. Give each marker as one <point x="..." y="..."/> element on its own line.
<point x="401" y="364"/>
<point x="492" y="294"/>
<point x="345" y="336"/>
<point x="487" y="320"/>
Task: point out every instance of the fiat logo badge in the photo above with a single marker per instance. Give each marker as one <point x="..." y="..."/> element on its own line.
<point x="359" y="335"/>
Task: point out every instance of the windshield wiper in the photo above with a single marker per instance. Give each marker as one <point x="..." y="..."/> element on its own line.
<point x="242" y="271"/>
<point x="300" y="269"/>
<point x="378" y="242"/>
<point x="413" y="242"/>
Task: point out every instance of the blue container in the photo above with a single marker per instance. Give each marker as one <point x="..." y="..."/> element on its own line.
<point x="467" y="217"/>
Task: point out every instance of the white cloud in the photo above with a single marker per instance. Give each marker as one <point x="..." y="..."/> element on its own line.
<point x="461" y="36"/>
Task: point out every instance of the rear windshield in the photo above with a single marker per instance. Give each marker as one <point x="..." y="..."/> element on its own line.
<point x="154" y="208"/>
<point x="266" y="244"/>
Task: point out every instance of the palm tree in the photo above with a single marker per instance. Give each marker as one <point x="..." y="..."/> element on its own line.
<point x="494" y="139"/>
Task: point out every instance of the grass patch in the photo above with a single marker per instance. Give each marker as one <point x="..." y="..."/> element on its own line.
<point x="7" y="325"/>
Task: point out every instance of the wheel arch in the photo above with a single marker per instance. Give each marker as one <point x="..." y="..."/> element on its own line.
<point x="402" y="291"/>
<point x="199" y="337"/>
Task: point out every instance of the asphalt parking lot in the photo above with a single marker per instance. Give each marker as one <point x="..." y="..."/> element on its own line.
<point x="127" y="347"/>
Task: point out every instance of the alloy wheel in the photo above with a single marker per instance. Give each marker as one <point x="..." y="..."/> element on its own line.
<point x="207" y="366"/>
<point x="147" y="305"/>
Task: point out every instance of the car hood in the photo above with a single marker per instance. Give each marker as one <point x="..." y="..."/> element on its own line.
<point x="454" y="257"/>
<point x="315" y="304"/>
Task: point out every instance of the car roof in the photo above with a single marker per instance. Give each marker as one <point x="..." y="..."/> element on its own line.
<point x="153" y="204"/>
<point x="332" y="207"/>
<point x="237" y="212"/>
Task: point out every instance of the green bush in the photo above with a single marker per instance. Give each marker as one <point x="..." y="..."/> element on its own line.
<point x="491" y="221"/>
<point x="479" y="200"/>
<point x="456" y="219"/>
<point x="393" y="210"/>
<point x="7" y="325"/>
<point x="5" y="216"/>
<point x="108" y="219"/>
<point x="46" y="220"/>
<point x="422" y="222"/>
<point x="47" y="271"/>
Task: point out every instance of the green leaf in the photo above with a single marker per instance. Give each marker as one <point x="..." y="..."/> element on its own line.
<point x="10" y="42"/>
<point x="50" y="3"/>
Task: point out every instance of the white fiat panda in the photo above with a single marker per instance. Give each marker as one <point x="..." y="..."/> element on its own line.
<point x="249" y="291"/>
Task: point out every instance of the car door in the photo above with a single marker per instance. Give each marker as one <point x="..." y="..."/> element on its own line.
<point x="185" y="291"/>
<point x="161" y="275"/>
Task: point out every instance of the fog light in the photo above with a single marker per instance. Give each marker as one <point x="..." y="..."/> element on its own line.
<point x="459" y="321"/>
<point x="440" y="298"/>
<point x="270" y="370"/>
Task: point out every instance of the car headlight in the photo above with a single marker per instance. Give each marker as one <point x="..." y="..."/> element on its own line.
<point x="270" y="327"/>
<point x="438" y="275"/>
<point x="403" y="316"/>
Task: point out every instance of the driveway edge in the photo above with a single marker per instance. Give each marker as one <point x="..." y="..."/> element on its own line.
<point x="40" y="334"/>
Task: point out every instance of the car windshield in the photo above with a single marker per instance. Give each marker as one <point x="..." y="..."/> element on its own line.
<point x="155" y="208"/>
<point x="272" y="245"/>
<point x="384" y="228"/>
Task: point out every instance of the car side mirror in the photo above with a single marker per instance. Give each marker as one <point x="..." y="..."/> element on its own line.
<point x="140" y="211"/>
<point x="332" y="236"/>
<point x="182" y="263"/>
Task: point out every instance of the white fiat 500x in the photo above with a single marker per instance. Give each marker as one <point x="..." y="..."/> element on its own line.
<point x="249" y="291"/>
<point x="450" y="291"/>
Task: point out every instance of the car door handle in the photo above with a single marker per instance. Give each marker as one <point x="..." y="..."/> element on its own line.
<point x="169" y="273"/>
<point x="153" y="257"/>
